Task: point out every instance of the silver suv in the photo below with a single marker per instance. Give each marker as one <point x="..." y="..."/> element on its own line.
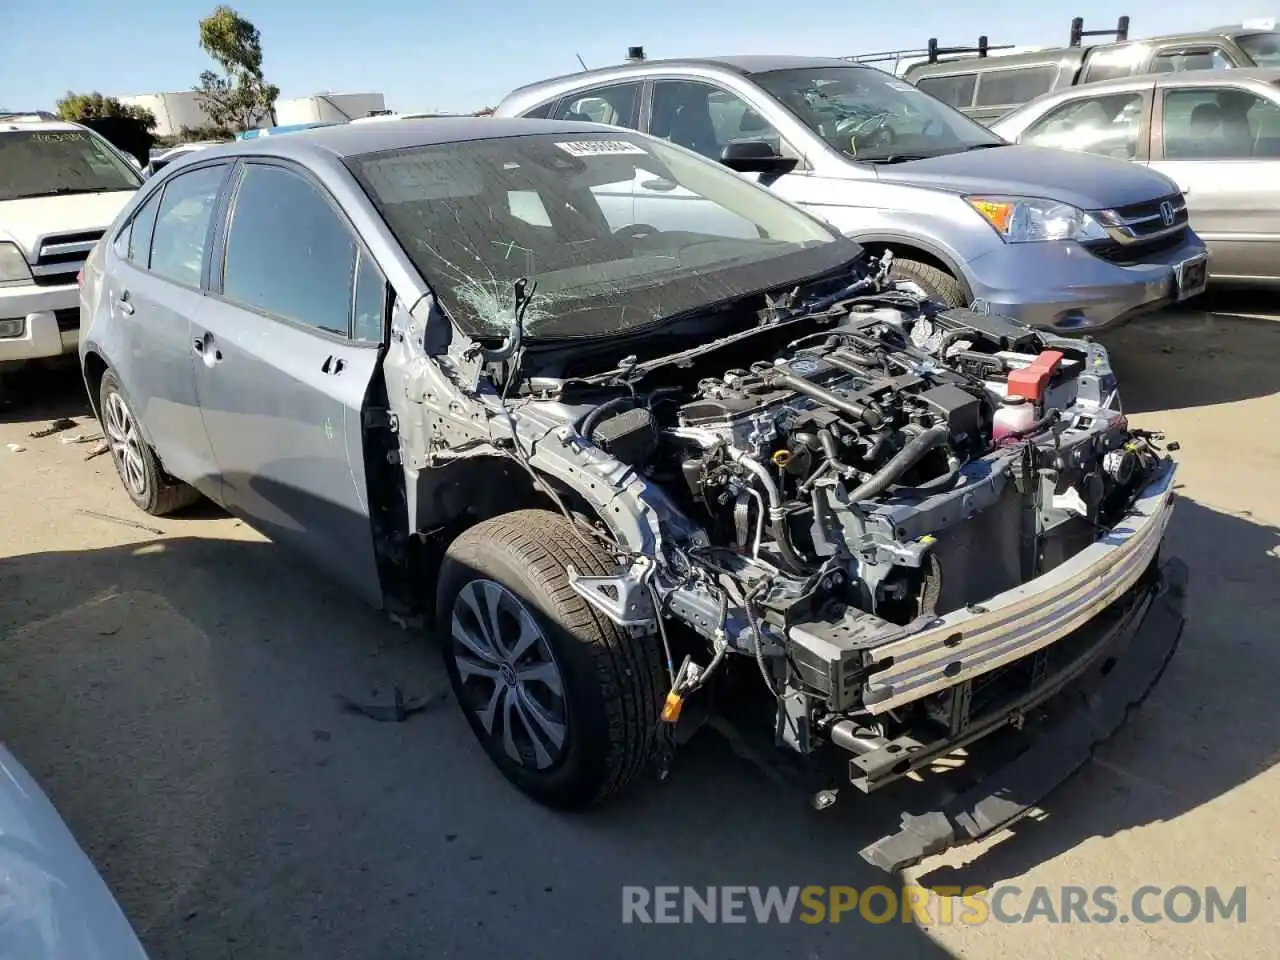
<point x="1059" y="240"/>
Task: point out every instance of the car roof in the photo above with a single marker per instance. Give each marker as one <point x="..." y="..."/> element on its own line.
<point x="20" y="122"/>
<point x="744" y="64"/>
<point x="1182" y="78"/>
<point x="356" y="139"/>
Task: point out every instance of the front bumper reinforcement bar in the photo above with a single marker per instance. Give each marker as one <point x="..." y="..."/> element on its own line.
<point x="1007" y="794"/>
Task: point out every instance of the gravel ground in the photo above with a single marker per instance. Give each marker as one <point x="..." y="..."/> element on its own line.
<point x="175" y="690"/>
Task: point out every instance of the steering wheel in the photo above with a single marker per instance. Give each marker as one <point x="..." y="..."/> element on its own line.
<point x="881" y="136"/>
<point x="635" y="231"/>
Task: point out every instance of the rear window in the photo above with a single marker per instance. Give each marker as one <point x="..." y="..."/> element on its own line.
<point x="1263" y="48"/>
<point x="955" y="90"/>
<point x="998" y="88"/>
<point x="45" y="163"/>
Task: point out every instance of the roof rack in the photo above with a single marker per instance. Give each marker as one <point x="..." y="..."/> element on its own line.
<point x="932" y="52"/>
<point x="1078" y="32"/>
<point x="982" y="49"/>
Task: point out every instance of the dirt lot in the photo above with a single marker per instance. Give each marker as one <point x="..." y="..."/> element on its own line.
<point x="175" y="690"/>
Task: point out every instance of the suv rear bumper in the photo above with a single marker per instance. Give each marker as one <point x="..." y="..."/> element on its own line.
<point x="50" y="319"/>
<point x="1100" y="689"/>
<point x="1065" y="288"/>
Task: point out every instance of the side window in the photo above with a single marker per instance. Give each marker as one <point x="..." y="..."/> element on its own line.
<point x="370" y="300"/>
<point x="1199" y="58"/>
<point x="181" y="231"/>
<point x="614" y="105"/>
<point x="539" y="113"/>
<point x="140" y="230"/>
<point x="289" y="253"/>
<point x="955" y="90"/>
<point x="706" y="119"/>
<point x="1109" y="126"/>
<point x="1220" y="124"/>
<point x="999" y="88"/>
<point x="1111" y="63"/>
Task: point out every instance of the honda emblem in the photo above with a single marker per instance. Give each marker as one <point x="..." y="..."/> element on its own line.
<point x="1166" y="213"/>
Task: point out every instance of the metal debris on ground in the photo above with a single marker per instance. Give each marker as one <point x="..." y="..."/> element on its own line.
<point x="80" y="438"/>
<point x="97" y="451"/>
<point x="396" y="712"/>
<point x="57" y="426"/>
<point x="121" y="520"/>
<point x="16" y="447"/>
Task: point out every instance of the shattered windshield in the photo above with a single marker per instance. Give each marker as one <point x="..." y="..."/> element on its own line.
<point x="871" y="115"/>
<point x="618" y="231"/>
<point x="42" y="163"/>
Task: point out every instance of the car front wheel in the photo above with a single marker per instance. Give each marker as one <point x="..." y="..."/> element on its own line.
<point x="564" y="702"/>
<point x="144" y="480"/>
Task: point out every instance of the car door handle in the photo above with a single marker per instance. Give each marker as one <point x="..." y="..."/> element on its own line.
<point x="332" y="365"/>
<point x="122" y="302"/>
<point x="201" y="345"/>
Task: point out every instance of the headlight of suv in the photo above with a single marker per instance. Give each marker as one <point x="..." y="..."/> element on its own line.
<point x="13" y="265"/>
<point x="1028" y="220"/>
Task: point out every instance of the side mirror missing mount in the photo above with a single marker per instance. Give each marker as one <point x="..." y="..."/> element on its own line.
<point x="756" y="156"/>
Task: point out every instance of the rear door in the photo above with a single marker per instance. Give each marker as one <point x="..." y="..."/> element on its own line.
<point x="156" y="266"/>
<point x="1221" y="144"/>
<point x="285" y="351"/>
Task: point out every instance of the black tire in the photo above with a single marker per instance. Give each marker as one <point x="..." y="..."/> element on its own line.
<point x="613" y="683"/>
<point x="144" y="480"/>
<point x="938" y="284"/>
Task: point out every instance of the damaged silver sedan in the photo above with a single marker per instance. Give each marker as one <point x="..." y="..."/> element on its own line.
<point x="643" y="440"/>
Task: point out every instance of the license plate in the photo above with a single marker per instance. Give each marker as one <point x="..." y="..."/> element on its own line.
<point x="1190" y="277"/>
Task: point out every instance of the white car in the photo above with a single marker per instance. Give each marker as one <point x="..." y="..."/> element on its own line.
<point x="165" y="157"/>
<point x="61" y="185"/>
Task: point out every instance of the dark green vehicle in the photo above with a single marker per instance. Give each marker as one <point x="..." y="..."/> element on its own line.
<point x="986" y="87"/>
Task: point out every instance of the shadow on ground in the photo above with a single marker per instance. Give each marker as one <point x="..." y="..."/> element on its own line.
<point x="43" y="394"/>
<point x="1212" y="353"/>
<point x="178" y="701"/>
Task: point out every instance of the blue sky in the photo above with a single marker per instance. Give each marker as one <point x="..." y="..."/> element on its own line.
<point x="425" y="55"/>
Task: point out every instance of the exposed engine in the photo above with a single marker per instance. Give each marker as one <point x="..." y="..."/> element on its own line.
<point x="875" y="476"/>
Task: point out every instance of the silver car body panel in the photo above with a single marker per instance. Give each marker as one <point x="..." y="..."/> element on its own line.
<point x="53" y="903"/>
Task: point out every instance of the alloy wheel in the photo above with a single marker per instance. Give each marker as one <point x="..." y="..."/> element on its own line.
<point x="126" y="444"/>
<point x="509" y="675"/>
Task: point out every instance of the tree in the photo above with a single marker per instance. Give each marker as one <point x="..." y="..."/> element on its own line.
<point x="94" y="106"/>
<point x="239" y="97"/>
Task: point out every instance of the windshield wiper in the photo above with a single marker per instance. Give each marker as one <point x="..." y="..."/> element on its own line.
<point x="907" y="157"/>
<point x="898" y="158"/>
<point x="67" y="191"/>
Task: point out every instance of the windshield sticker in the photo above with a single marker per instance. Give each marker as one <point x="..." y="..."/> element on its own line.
<point x="600" y="148"/>
<point x="57" y="137"/>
